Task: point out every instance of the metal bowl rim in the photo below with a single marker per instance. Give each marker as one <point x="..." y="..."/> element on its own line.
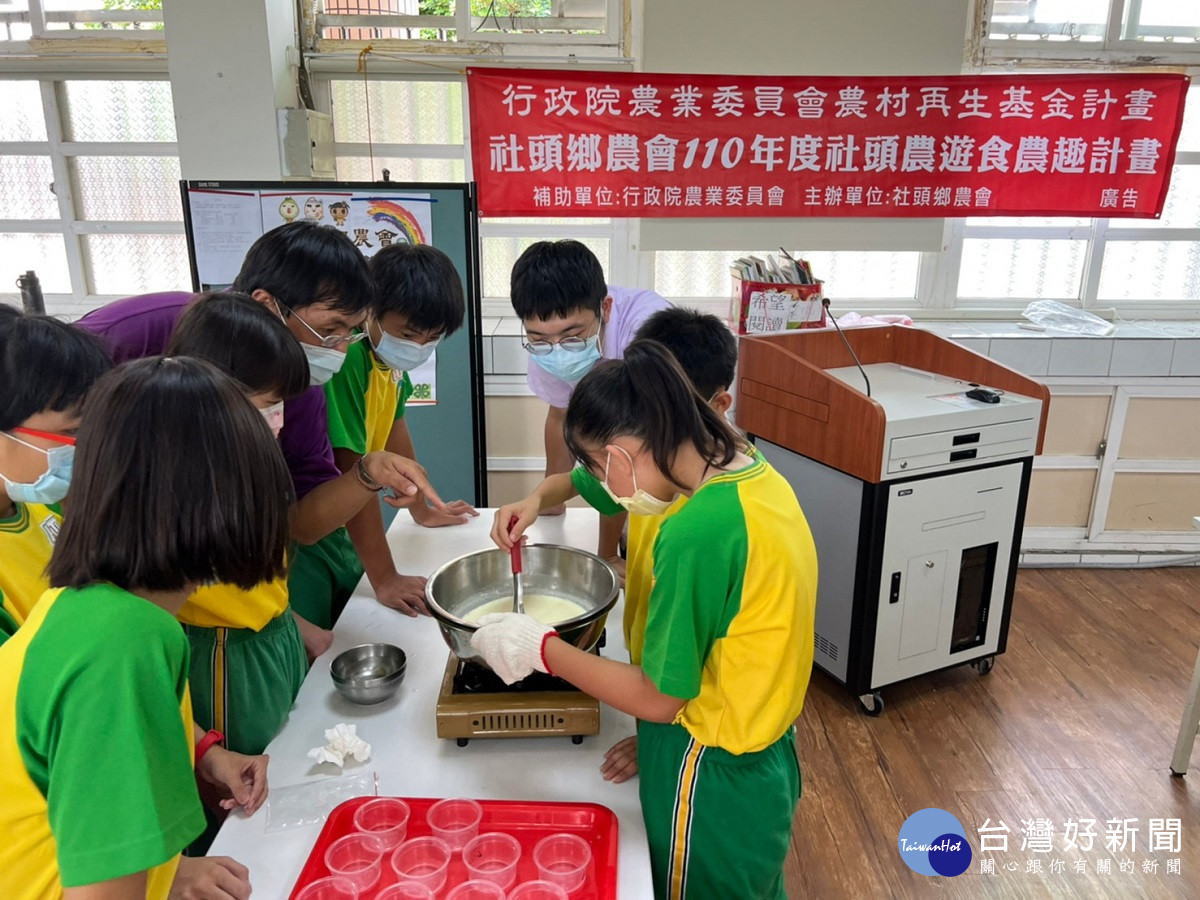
<point x="378" y="678"/>
<point x="448" y="618"/>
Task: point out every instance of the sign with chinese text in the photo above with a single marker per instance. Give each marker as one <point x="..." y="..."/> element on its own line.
<point x="650" y="144"/>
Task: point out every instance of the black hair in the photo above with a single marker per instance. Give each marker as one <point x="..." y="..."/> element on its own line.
<point x="557" y="278"/>
<point x="178" y="481"/>
<point x="244" y="339"/>
<point x="646" y="395"/>
<point x="45" y="364"/>
<point x="420" y="282"/>
<point x="704" y="346"/>
<point x="302" y="263"/>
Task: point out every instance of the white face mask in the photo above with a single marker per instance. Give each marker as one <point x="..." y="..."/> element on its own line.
<point x="274" y="416"/>
<point x="642" y="502"/>
<point x="323" y="363"/>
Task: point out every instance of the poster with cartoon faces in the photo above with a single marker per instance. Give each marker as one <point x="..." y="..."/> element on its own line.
<point x="372" y="221"/>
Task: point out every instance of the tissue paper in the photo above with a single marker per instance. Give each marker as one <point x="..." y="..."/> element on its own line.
<point x="343" y="742"/>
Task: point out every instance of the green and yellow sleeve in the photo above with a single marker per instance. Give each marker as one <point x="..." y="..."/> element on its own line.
<point x="101" y="733"/>
<point x="593" y="492"/>
<point x="699" y="561"/>
<point x="346" y="400"/>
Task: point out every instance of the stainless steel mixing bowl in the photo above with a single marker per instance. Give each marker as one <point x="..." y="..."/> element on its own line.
<point x="368" y="673"/>
<point x="466" y="583"/>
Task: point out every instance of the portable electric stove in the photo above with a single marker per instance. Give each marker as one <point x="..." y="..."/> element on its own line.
<point x="475" y="703"/>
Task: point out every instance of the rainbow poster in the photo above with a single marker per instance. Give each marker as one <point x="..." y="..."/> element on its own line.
<point x="399" y="217"/>
<point x="372" y="221"/>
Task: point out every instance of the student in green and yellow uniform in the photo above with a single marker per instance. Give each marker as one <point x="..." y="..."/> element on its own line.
<point x="729" y="630"/>
<point x="96" y="732"/>
<point x="418" y="302"/>
<point x="46" y="369"/>
<point x="706" y="350"/>
<point x="248" y="658"/>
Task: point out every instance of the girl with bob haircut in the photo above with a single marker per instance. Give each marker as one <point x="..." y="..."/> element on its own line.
<point x="247" y="652"/>
<point x="96" y="731"/>
<point x="729" y="628"/>
<point x="47" y="369"/>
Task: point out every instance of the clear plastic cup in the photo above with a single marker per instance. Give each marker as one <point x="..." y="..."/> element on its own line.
<point x="385" y="818"/>
<point x="332" y="888"/>
<point x="356" y="857"/>
<point x="425" y="860"/>
<point x="476" y="889"/>
<point x="455" y="821"/>
<point x="407" y="890"/>
<point x="563" y="859"/>
<point x="537" y="890"/>
<point x="493" y="857"/>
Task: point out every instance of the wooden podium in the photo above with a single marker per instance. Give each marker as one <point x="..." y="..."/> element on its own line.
<point x="915" y="494"/>
<point x="785" y="392"/>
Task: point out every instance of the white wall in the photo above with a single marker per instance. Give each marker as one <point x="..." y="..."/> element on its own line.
<point x="228" y="65"/>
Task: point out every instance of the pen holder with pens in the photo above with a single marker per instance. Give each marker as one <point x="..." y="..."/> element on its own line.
<point x="764" y="307"/>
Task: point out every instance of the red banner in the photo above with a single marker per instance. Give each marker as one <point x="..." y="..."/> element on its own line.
<point x="570" y="143"/>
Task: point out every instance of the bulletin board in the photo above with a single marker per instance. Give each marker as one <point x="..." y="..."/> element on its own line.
<point x="445" y="415"/>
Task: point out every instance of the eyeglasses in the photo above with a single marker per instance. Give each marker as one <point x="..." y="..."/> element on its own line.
<point x="329" y="341"/>
<point x="573" y="344"/>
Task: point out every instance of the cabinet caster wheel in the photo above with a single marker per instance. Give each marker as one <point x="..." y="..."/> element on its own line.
<point x="462" y="742"/>
<point x="872" y="704"/>
<point x="577" y="739"/>
<point x="983" y="666"/>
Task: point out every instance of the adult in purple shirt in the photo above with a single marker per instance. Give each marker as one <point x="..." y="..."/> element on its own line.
<point x="572" y="320"/>
<point x="317" y="282"/>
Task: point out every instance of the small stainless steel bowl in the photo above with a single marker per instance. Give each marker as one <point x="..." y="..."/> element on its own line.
<point x="368" y="673"/>
<point x="466" y="583"/>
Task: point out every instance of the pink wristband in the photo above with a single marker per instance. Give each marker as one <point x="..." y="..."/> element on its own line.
<point x="542" y="651"/>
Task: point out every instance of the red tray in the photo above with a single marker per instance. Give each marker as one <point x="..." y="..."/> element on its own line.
<point x="527" y="821"/>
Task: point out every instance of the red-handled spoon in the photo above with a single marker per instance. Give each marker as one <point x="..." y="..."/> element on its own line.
<point x="518" y="588"/>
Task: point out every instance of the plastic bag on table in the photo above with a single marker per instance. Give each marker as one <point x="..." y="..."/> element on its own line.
<point x="310" y="802"/>
<point x="1060" y="317"/>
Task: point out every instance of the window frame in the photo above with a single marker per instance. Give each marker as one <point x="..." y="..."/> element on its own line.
<point x="608" y="43"/>
<point x="43" y="38"/>
<point x="1111" y="49"/>
<point x="624" y="264"/>
<point x="70" y="224"/>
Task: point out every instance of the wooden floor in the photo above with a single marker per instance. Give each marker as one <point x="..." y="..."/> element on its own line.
<point x="1078" y="719"/>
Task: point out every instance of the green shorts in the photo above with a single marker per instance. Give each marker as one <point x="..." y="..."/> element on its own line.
<point x="719" y="825"/>
<point x="244" y="682"/>
<point x="323" y="576"/>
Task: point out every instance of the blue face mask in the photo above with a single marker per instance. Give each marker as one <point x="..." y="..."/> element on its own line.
<point x="52" y="485"/>
<point x="571" y="365"/>
<point x="404" y="356"/>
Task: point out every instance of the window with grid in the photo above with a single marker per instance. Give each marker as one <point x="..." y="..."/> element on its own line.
<point x="416" y="130"/>
<point x="89" y="194"/>
<point x="24" y="20"/>
<point x="546" y="22"/>
<point x="1113" y="31"/>
<point x="1142" y="266"/>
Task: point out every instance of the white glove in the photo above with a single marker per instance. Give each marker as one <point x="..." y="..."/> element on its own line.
<point x="511" y="643"/>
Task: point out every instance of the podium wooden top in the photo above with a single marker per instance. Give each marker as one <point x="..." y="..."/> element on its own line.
<point x="786" y="394"/>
